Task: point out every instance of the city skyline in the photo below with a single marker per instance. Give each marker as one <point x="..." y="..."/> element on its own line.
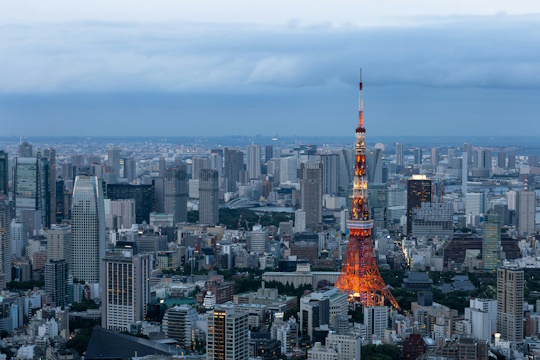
<point x="428" y="69"/>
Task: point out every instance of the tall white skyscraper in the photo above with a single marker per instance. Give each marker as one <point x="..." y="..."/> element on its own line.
<point x="288" y="170"/>
<point x="254" y="161"/>
<point x="376" y="320"/>
<point x="87" y="228"/>
<point x="511" y="199"/>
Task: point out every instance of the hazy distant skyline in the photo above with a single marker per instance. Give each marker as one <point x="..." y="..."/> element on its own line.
<point x="242" y="67"/>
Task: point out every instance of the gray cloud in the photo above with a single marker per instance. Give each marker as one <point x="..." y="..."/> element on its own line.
<point x="496" y="51"/>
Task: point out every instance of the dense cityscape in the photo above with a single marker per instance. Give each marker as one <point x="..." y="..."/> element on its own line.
<point x="264" y="248"/>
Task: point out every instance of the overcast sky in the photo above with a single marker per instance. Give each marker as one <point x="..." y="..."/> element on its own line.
<point x="217" y="67"/>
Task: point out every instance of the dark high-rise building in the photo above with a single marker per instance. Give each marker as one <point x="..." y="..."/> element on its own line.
<point x="50" y="155"/>
<point x="467" y="148"/>
<point x="511" y="161"/>
<point x="25" y="150"/>
<point x="331" y="173"/>
<point x="60" y="209"/>
<point x="175" y="193"/>
<point x="311" y="191"/>
<point x="414" y="347"/>
<point x="161" y="166"/>
<point x="130" y="169"/>
<point x="208" y="197"/>
<point x="268" y="153"/>
<point x="234" y="163"/>
<point x="56" y="281"/>
<point x="501" y="160"/>
<point x="418" y="156"/>
<point x="418" y="192"/>
<point x="533" y="160"/>
<point x="114" y="162"/>
<point x="142" y="194"/>
<point x="4" y="170"/>
<point x="5" y="238"/>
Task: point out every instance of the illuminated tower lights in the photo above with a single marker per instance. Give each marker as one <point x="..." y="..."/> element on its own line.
<point x="360" y="277"/>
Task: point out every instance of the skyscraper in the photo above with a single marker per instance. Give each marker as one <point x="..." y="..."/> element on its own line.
<point x="87" y="228"/>
<point x="435" y="156"/>
<point x="254" y="161"/>
<point x="50" y="191"/>
<point x="216" y="161"/>
<point x="197" y="164"/>
<point x="418" y="192"/>
<point x="142" y="194"/>
<point x="532" y="160"/>
<point x="234" y="163"/>
<point x="510" y="288"/>
<point x="4" y="171"/>
<point x="161" y="166"/>
<point x="175" y="193"/>
<point x="5" y="238"/>
<point x="491" y="244"/>
<point x="418" y="156"/>
<point x="56" y="281"/>
<point x="130" y="169"/>
<point x="227" y="336"/>
<point x="125" y="289"/>
<point x="501" y="160"/>
<point x="399" y="154"/>
<point x="374" y="165"/>
<point x="27" y="189"/>
<point x="525" y="207"/>
<point x="511" y="161"/>
<point x="25" y="150"/>
<point x="59" y="243"/>
<point x="311" y="193"/>
<point x="114" y="162"/>
<point x="268" y="153"/>
<point x="467" y="148"/>
<point x="208" y="197"/>
<point x="331" y="173"/>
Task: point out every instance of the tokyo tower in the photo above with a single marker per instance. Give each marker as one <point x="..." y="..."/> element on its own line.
<point x="360" y="277"/>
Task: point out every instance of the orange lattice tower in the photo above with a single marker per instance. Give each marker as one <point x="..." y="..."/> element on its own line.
<point x="360" y="277"/>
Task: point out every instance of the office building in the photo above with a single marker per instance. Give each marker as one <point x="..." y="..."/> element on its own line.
<point x="511" y="161"/>
<point x="178" y="323"/>
<point x="468" y="152"/>
<point x="113" y="161"/>
<point x="320" y="308"/>
<point x="5" y="238"/>
<point x="311" y="193"/>
<point x="320" y="352"/>
<point x="374" y="165"/>
<point x="234" y="163"/>
<point x="511" y="200"/>
<point x="130" y="170"/>
<point x="399" y="154"/>
<point x="142" y="194"/>
<point x="216" y="161"/>
<point x="533" y="160"/>
<point x="330" y="164"/>
<point x="491" y="244"/>
<point x="31" y="190"/>
<point x="175" y="193"/>
<point x="488" y="306"/>
<point x="19" y="239"/>
<point x="4" y="172"/>
<point x="197" y="164"/>
<point x="268" y="153"/>
<point x="462" y="349"/>
<point x="161" y="167"/>
<point x="418" y="156"/>
<point x="376" y="320"/>
<point x="476" y="203"/>
<point x="526" y="210"/>
<point x="208" y="197"/>
<point x="288" y="170"/>
<point x="435" y="157"/>
<point x="418" y="192"/>
<point x="501" y="160"/>
<point x="258" y="240"/>
<point x="227" y="336"/>
<point x="87" y="228"/>
<point x="433" y="219"/>
<point x="510" y="296"/>
<point x="121" y="214"/>
<point x="253" y="160"/>
<point x="125" y="289"/>
<point x="349" y="346"/>
<point x="59" y="243"/>
<point x="56" y="281"/>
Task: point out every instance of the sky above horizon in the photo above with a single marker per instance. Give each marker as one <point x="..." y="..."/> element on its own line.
<point x="214" y="67"/>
